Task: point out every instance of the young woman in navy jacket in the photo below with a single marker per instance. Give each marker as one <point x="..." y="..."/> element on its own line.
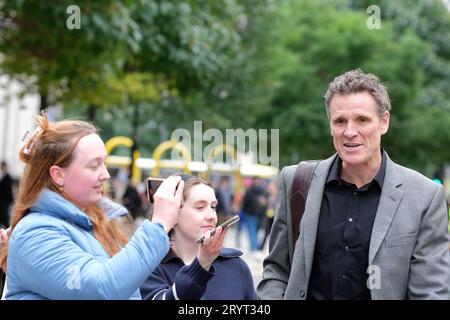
<point x="192" y="271"/>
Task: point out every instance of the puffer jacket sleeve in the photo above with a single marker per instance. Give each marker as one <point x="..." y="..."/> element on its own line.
<point x="190" y="283"/>
<point x="48" y="262"/>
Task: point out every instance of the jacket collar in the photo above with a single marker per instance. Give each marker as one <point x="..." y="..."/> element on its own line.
<point x="53" y="204"/>
<point x="390" y="199"/>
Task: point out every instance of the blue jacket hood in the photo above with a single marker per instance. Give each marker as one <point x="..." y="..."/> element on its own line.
<point x="53" y="204"/>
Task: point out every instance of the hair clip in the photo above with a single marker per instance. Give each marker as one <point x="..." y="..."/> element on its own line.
<point x="30" y="137"/>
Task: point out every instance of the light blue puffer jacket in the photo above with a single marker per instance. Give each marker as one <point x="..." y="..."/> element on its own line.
<point x="53" y="254"/>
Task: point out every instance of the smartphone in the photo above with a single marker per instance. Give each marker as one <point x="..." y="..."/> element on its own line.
<point x="224" y="225"/>
<point x="153" y="185"/>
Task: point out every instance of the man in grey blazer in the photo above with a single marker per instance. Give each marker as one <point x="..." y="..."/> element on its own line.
<point x="371" y="229"/>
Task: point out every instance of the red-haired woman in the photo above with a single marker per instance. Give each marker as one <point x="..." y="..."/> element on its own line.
<point x="64" y="243"/>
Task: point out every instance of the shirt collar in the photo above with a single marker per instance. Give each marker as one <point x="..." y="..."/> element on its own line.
<point x="335" y="171"/>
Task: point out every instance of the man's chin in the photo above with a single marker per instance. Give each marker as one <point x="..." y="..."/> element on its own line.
<point x="352" y="159"/>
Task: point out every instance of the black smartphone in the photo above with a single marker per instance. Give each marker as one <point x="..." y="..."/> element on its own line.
<point x="224" y="225"/>
<point x="154" y="183"/>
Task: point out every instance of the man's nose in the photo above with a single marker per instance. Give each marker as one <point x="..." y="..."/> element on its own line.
<point x="350" y="130"/>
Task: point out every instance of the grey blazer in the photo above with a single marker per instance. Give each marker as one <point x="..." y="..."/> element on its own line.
<point x="408" y="254"/>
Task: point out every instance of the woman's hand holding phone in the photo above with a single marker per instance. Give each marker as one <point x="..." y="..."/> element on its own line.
<point x="210" y="248"/>
<point x="224" y="225"/>
<point x="167" y="202"/>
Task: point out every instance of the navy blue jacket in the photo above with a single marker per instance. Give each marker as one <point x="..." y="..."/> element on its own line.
<point x="229" y="278"/>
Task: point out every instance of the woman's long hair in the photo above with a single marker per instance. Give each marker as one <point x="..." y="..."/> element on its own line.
<point x="192" y="182"/>
<point x="54" y="144"/>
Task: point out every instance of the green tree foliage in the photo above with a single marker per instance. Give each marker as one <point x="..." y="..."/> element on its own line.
<point x="36" y="42"/>
<point x="156" y="65"/>
<point x="151" y="53"/>
<point x="183" y="43"/>
<point x="325" y="39"/>
<point x="427" y="126"/>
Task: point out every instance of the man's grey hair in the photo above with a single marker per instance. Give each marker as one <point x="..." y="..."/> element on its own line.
<point x="355" y="81"/>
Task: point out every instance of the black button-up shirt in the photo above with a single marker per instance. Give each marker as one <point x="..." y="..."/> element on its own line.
<point x="347" y="214"/>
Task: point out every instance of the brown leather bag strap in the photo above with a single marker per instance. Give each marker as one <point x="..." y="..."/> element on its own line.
<point x="300" y="187"/>
<point x="2" y="281"/>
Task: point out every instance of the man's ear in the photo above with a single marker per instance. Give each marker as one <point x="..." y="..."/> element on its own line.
<point x="57" y="175"/>
<point x="385" y="122"/>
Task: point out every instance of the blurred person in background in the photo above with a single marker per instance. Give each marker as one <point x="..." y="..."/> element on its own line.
<point x="132" y="200"/>
<point x="224" y="197"/>
<point x="270" y="213"/>
<point x="6" y="195"/>
<point x="237" y="208"/>
<point x="254" y="208"/>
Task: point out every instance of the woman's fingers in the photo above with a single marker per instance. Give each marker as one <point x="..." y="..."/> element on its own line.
<point x="215" y="242"/>
<point x="3" y="237"/>
<point x="168" y="186"/>
<point x="222" y="235"/>
<point x="210" y="248"/>
<point x="179" y="193"/>
<point x="167" y="202"/>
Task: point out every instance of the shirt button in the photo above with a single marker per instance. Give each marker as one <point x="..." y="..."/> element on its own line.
<point x="302" y="293"/>
<point x="350" y="220"/>
<point x="344" y="276"/>
<point x="355" y="193"/>
<point x="340" y="184"/>
<point x="346" y="248"/>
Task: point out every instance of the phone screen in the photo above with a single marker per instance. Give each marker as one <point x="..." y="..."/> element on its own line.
<point x="225" y="224"/>
<point x="152" y="185"/>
